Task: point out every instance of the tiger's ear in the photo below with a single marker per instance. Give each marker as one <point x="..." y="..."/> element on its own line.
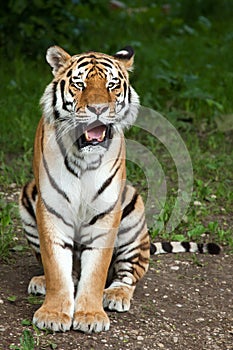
<point x="56" y="58"/>
<point x="126" y="56"/>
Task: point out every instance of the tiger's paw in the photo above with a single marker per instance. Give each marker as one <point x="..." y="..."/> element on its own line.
<point x="89" y="322"/>
<point x="117" y="298"/>
<point x="53" y="320"/>
<point x="37" y="285"/>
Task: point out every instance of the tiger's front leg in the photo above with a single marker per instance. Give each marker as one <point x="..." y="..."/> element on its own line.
<point x="89" y="313"/>
<point x="131" y="256"/>
<point x="57" y="310"/>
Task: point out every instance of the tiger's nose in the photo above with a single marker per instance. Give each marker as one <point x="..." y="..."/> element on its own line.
<point x="98" y="109"/>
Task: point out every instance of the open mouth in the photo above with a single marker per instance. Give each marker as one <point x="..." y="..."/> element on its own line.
<point x="95" y="134"/>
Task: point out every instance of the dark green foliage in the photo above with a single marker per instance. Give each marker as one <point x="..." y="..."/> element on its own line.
<point x="183" y="69"/>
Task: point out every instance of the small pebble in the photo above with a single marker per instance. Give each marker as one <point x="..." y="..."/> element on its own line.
<point x="140" y="337"/>
<point x="175" y="268"/>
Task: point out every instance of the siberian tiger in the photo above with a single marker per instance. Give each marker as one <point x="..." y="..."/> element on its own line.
<point x="82" y="220"/>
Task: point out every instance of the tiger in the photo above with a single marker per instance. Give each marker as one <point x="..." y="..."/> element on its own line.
<point x="83" y="221"/>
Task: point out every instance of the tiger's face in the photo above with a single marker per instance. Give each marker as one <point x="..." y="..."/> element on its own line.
<point x="90" y="92"/>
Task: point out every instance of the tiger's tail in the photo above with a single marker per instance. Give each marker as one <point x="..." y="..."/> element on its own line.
<point x="183" y="247"/>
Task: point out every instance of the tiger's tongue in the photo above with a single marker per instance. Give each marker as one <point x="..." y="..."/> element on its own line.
<point x="96" y="133"/>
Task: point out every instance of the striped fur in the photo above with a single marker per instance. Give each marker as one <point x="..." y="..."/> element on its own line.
<point x="81" y="219"/>
<point x="83" y="222"/>
<point x="183" y="247"/>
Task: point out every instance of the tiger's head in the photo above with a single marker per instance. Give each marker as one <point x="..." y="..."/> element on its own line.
<point x="90" y="92"/>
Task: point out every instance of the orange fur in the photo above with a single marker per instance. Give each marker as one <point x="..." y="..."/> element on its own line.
<point x="50" y="204"/>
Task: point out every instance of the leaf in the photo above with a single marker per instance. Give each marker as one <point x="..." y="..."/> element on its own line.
<point x="212" y="103"/>
<point x="12" y="298"/>
<point x="27" y="340"/>
<point x="196" y="231"/>
<point x="26" y="323"/>
<point x="179" y="238"/>
<point x="14" y="347"/>
<point x="34" y="300"/>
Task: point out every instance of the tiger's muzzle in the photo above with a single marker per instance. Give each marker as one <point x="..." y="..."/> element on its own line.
<point x="95" y="134"/>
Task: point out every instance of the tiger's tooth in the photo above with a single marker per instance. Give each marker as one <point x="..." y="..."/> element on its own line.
<point x="103" y="135"/>
<point x="87" y="136"/>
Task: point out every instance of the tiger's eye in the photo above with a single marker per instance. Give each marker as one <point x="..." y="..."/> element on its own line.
<point x="78" y="85"/>
<point x="111" y="85"/>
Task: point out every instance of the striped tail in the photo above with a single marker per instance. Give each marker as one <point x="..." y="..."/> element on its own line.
<point x="183" y="247"/>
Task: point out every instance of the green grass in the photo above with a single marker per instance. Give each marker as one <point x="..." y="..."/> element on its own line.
<point x="7" y="234"/>
<point x="183" y="69"/>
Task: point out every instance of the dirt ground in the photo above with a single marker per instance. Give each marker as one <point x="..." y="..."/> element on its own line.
<point x="185" y="302"/>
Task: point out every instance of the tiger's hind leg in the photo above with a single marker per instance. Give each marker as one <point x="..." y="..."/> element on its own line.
<point x="27" y="205"/>
<point x="131" y="257"/>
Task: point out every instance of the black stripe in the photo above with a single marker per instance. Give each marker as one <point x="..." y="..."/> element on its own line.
<point x="120" y="75"/>
<point x="103" y="74"/>
<point x="130" y="94"/>
<point x="101" y="215"/>
<point x="37" y="245"/>
<point x="107" y="59"/>
<point x="186" y="246"/>
<point x="31" y="235"/>
<point x="56" y="114"/>
<point x="27" y="224"/>
<point x="130" y="207"/>
<point x="27" y="203"/>
<point x="34" y="192"/>
<point x="213" y="248"/>
<point x="106" y="183"/>
<point x="123" y="248"/>
<point x="124" y="194"/>
<point x="65" y="245"/>
<point x="129" y="269"/>
<point x="68" y="74"/>
<point x="117" y="158"/>
<point x="55" y="93"/>
<point x="153" y="249"/>
<point x="55" y="213"/>
<point x="42" y="139"/>
<point x="69" y="168"/>
<point x="53" y="182"/>
<point x="55" y="111"/>
<point x="83" y="64"/>
<point x="200" y="247"/>
<point x="90" y="71"/>
<point x="106" y="64"/>
<point x="83" y="57"/>
<point x="71" y="93"/>
<point x="97" y="217"/>
<point x="167" y="247"/>
<point x="129" y="228"/>
<point x="66" y="160"/>
<point x="125" y="88"/>
<point x="129" y="259"/>
<point x="83" y="248"/>
<point x="62" y="85"/>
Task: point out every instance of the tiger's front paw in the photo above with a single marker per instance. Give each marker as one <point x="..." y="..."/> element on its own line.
<point x="37" y="285"/>
<point x="117" y="298"/>
<point x="88" y="322"/>
<point x="52" y="319"/>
